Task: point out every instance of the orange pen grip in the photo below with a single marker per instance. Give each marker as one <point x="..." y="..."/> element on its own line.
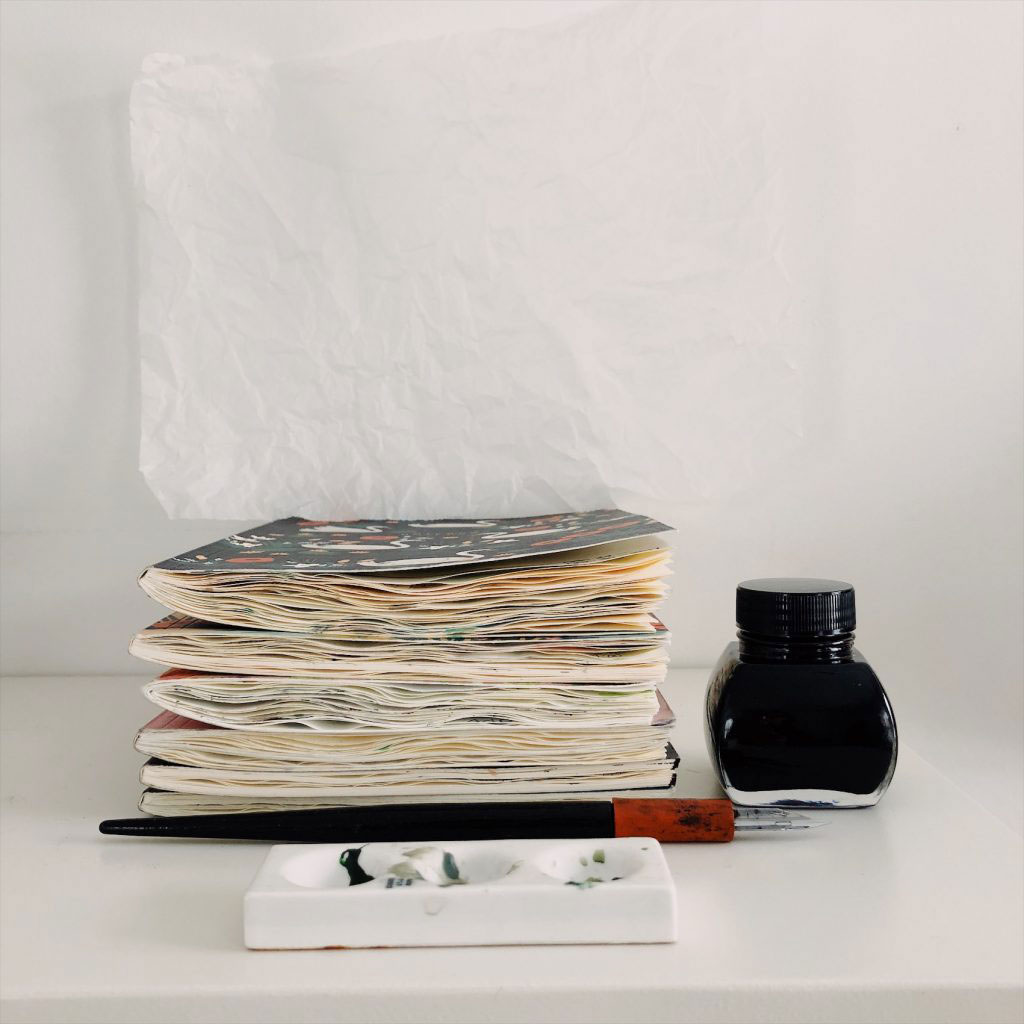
<point x="675" y="821"/>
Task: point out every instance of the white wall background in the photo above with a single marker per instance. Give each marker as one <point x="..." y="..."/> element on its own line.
<point x="897" y="131"/>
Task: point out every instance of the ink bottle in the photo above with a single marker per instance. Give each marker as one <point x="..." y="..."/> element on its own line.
<point x="795" y="717"/>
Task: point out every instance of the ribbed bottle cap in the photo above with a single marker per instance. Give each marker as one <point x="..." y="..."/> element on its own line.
<point x="795" y="607"/>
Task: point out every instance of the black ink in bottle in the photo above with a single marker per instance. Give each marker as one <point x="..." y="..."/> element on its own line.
<point x="795" y="716"/>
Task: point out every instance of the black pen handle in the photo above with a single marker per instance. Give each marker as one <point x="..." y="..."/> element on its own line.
<point x="569" y="819"/>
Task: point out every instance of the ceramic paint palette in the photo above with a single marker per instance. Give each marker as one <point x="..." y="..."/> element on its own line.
<point x="531" y="891"/>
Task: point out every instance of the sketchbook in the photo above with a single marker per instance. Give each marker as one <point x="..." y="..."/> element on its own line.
<point x="436" y="782"/>
<point x="354" y="705"/>
<point x="575" y="572"/>
<point x="194" y="757"/>
<point x="176" y="738"/>
<point x="183" y="642"/>
<point x="166" y="803"/>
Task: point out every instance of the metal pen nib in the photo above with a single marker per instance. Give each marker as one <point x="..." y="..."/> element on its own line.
<point x="771" y="819"/>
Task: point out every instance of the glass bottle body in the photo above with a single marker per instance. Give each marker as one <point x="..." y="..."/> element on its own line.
<point x="799" y="733"/>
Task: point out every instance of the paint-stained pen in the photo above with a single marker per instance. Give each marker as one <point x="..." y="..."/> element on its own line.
<point x="670" y="821"/>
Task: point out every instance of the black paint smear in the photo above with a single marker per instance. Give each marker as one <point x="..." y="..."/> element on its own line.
<point x="349" y="860"/>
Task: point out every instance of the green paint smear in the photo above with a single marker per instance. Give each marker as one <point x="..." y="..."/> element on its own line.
<point x="450" y="868"/>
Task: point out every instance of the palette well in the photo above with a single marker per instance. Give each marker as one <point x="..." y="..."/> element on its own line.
<point x="508" y="892"/>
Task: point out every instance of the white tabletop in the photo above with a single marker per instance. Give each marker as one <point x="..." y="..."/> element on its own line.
<point x="911" y="911"/>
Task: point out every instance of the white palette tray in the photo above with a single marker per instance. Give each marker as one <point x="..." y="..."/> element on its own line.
<point x="534" y="891"/>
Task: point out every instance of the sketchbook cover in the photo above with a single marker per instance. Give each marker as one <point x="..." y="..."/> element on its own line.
<point x="379" y="545"/>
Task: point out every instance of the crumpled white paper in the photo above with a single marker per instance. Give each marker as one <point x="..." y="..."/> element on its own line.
<point x="499" y="273"/>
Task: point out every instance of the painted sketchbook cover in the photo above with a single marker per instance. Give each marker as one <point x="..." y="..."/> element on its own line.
<point x="381" y="545"/>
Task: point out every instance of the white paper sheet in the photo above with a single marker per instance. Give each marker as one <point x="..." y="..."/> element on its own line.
<point x="490" y="274"/>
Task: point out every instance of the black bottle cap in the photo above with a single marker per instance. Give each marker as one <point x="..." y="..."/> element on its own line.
<point x="795" y="607"/>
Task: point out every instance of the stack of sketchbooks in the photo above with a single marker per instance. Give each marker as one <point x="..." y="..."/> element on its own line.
<point x="315" y="664"/>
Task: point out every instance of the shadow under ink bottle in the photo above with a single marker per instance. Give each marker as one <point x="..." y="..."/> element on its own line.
<point x="795" y="717"/>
